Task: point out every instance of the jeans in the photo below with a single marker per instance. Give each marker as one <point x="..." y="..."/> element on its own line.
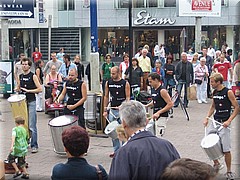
<point x="113" y="116"/>
<point x="180" y="85"/>
<point x="32" y="121"/>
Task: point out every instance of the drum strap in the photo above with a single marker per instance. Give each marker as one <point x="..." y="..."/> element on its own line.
<point x="99" y="172"/>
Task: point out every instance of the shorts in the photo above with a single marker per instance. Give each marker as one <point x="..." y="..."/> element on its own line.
<point x="20" y="160"/>
<point x="224" y="136"/>
<point x="161" y="125"/>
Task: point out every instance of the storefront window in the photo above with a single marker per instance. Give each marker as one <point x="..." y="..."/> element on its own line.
<point x="138" y="3"/>
<point x="152" y="3"/>
<point x="169" y="3"/>
<point x="71" y="5"/>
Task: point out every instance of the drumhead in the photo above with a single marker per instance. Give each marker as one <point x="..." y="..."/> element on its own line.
<point x="61" y="121"/>
<point x="210" y="140"/>
<point x="111" y="127"/>
<point x="16" y="98"/>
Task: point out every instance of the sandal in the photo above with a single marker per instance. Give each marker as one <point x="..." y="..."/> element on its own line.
<point x="25" y="176"/>
<point x="18" y="173"/>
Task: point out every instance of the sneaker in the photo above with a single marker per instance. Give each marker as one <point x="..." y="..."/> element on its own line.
<point x="230" y="175"/>
<point x="218" y="167"/>
<point x="171" y="116"/>
<point x="18" y="173"/>
<point x="25" y="176"/>
<point x="34" y="150"/>
<point x="204" y="101"/>
<point x="199" y="101"/>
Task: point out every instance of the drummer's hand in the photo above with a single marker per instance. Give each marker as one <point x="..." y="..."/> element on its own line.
<point x="155" y="116"/>
<point x="24" y="89"/>
<point x="205" y="122"/>
<point x="71" y="107"/>
<point x="226" y="124"/>
<point x="105" y="114"/>
<point x="17" y="89"/>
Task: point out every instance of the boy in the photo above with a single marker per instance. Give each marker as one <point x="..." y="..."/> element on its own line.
<point x="18" y="148"/>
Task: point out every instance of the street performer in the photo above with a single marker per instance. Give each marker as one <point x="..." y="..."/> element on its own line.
<point x="161" y="102"/>
<point x="223" y="100"/>
<point x="77" y="95"/>
<point x="119" y="90"/>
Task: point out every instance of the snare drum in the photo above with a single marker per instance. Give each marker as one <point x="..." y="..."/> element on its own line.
<point x="110" y="130"/>
<point x="57" y="126"/>
<point x="211" y="146"/>
<point x="19" y="107"/>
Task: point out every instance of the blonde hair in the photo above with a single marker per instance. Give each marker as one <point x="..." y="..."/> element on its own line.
<point x="120" y="130"/>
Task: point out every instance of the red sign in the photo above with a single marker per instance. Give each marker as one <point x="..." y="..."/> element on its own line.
<point x="201" y="5"/>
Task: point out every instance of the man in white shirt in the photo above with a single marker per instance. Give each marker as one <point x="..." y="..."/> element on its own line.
<point x="211" y="52"/>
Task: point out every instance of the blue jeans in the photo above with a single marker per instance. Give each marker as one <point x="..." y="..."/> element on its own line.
<point x="32" y="121"/>
<point x="180" y="85"/>
<point x="113" y="116"/>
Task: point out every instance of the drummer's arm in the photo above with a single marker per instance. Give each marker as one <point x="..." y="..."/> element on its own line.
<point x="106" y="99"/>
<point x="37" y="84"/>
<point x="84" y="96"/>
<point x="62" y="95"/>
<point x="127" y="91"/>
<point x="149" y="104"/>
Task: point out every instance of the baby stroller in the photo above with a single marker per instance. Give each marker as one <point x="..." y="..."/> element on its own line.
<point x="52" y="91"/>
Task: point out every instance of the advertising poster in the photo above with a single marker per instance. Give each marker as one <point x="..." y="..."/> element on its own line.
<point x="6" y="77"/>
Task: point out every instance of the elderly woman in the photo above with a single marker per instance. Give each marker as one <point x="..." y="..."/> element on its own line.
<point x="76" y="142"/>
<point x="201" y="74"/>
<point x="53" y="75"/>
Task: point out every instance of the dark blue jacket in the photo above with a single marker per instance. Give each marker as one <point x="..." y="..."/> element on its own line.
<point x="143" y="157"/>
<point x="77" y="169"/>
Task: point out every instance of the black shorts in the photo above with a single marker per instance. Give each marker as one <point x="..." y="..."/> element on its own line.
<point x="20" y="160"/>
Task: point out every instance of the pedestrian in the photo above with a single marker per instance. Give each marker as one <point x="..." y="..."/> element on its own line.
<point x="161" y="102"/>
<point x="36" y="55"/>
<point x="29" y="85"/>
<point x="169" y="69"/>
<point x="60" y="54"/>
<point x="156" y="52"/>
<point x="188" y="169"/>
<point x="201" y="76"/>
<point x="224" y="67"/>
<point x="221" y="109"/>
<point x="53" y="75"/>
<point x="39" y="96"/>
<point x="144" y="156"/>
<point x="119" y="91"/>
<point x="18" y="67"/>
<point x="145" y="65"/>
<point x="184" y="76"/>
<point x="77" y="94"/>
<point x="159" y="70"/>
<point x="124" y="65"/>
<point x="76" y="143"/>
<point x="49" y="64"/>
<point x="80" y="67"/>
<point x="66" y="67"/>
<point x="106" y="71"/>
<point x="18" y="148"/>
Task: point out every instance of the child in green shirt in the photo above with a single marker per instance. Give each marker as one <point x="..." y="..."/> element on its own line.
<point x="18" y="148"/>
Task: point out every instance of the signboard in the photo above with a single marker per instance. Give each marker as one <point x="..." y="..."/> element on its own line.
<point x="17" y="8"/>
<point x="6" y="77"/>
<point x="200" y="8"/>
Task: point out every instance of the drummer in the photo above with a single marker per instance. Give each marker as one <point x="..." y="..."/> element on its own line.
<point x="28" y="84"/>
<point x="223" y="100"/>
<point x="119" y="90"/>
<point x="77" y="95"/>
<point x="161" y="102"/>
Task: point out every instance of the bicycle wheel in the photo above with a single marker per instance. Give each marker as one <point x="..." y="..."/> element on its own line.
<point x="184" y="109"/>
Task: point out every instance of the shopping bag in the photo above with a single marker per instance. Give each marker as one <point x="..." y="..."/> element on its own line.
<point x="192" y="92"/>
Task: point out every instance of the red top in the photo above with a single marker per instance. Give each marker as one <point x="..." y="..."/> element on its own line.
<point x="223" y="68"/>
<point x="36" y="56"/>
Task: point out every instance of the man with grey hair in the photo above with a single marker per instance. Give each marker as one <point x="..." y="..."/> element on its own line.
<point x="143" y="156"/>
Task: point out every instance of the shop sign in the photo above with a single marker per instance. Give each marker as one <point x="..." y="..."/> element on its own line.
<point x="146" y="19"/>
<point x="14" y="22"/>
<point x="202" y="5"/>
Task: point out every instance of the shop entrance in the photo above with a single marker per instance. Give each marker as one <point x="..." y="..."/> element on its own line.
<point x="172" y="43"/>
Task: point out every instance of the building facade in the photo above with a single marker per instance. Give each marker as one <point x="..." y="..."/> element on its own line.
<point x="66" y="23"/>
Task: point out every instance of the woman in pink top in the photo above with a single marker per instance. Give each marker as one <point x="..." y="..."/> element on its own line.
<point x="53" y="76"/>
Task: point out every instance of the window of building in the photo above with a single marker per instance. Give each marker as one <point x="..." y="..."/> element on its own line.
<point x="169" y="3"/>
<point x="136" y="3"/>
<point x="65" y="5"/>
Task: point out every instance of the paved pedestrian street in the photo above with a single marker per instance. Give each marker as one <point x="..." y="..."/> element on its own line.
<point x="185" y="135"/>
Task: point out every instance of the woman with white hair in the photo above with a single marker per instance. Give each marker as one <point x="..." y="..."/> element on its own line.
<point x="201" y="74"/>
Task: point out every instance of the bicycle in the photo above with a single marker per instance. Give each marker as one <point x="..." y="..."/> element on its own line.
<point x="174" y="98"/>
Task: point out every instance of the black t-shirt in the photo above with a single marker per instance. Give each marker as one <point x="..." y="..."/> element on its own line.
<point x="158" y="101"/>
<point x="169" y="67"/>
<point x="184" y="71"/>
<point x="222" y="104"/>
<point x="26" y="81"/>
<point x="117" y="92"/>
<point x="74" y="92"/>
<point x="136" y="76"/>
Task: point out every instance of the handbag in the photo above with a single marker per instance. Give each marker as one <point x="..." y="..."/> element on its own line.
<point x="198" y="81"/>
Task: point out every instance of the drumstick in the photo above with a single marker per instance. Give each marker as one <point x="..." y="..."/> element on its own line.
<point x="109" y="107"/>
<point x="216" y="122"/>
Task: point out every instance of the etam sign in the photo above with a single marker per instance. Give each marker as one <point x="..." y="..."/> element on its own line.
<point x="145" y="18"/>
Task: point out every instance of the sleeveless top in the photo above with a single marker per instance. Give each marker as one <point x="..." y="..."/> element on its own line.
<point x="26" y="81"/>
<point x="222" y="104"/>
<point x="117" y="92"/>
<point x="74" y="92"/>
<point x="158" y="101"/>
<point x="50" y="78"/>
<point x="41" y="75"/>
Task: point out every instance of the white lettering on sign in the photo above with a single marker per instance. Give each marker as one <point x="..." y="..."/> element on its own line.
<point x="17" y="6"/>
<point x="145" y="18"/>
<point x="201" y="5"/>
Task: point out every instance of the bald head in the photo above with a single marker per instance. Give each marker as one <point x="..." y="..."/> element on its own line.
<point x="115" y="73"/>
<point x="72" y="74"/>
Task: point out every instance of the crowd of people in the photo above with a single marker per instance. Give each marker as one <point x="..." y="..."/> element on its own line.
<point x="158" y="76"/>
